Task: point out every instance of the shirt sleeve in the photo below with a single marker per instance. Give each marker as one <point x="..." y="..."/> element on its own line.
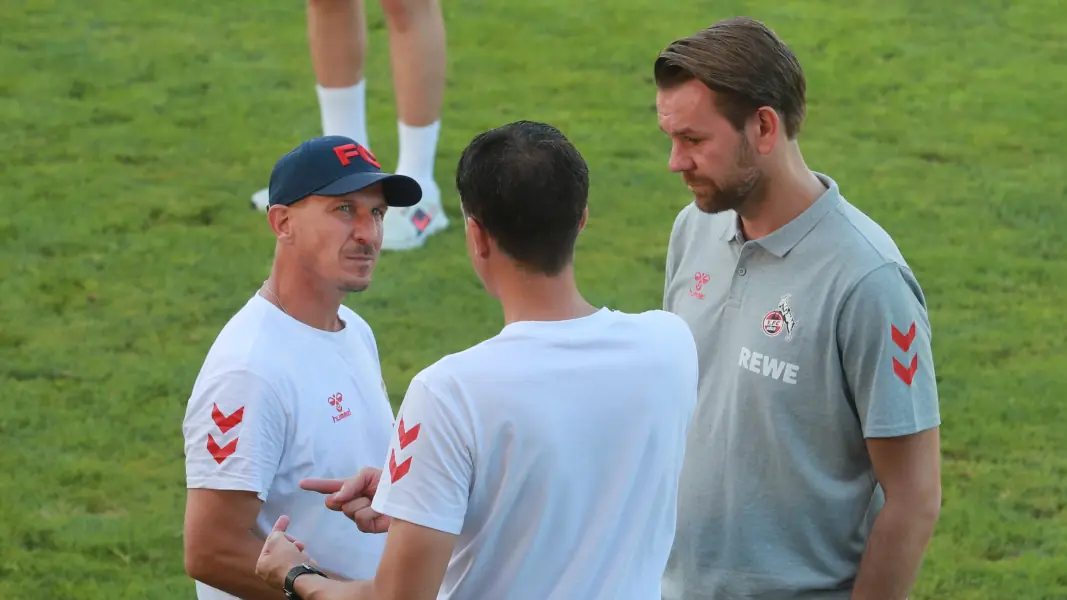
<point x="235" y="431"/>
<point x="429" y="468"/>
<point x="884" y="339"/>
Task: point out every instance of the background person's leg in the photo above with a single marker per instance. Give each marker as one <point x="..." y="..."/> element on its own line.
<point x="337" y="38"/>
<point x="417" y="52"/>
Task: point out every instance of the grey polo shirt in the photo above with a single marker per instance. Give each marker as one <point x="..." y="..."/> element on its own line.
<point x="810" y="339"/>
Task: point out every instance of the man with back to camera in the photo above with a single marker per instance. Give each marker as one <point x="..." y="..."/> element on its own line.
<point x="292" y="386"/>
<point x="812" y="466"/>
<point x="337" y="40"/>
<point x="542" y="463"/>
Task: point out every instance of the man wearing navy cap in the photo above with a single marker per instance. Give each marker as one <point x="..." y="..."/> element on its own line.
<point x="292" y="386"/>
<point x="542" y="463"/>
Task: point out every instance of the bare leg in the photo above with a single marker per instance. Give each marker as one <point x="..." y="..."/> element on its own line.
<point x="417" y="53"/>
<point x="337" y="35"/>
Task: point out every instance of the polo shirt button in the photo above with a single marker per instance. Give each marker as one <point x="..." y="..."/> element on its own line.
<point x="741" y="271"/>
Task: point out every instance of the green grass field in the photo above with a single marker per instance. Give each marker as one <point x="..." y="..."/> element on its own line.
<point x="135" y="131"/>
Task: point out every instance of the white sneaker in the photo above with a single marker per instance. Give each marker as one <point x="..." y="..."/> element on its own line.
<point x="261" y="200"/>
<point x="408" y="228"/>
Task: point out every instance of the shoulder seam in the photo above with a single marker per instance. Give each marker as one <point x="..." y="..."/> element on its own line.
<point x="252" y="372"/>
<point x="885" y="259"/>
<point x="847" y="296"/>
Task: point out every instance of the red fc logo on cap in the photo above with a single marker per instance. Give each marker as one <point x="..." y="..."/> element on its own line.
<point x="349" y="150"/>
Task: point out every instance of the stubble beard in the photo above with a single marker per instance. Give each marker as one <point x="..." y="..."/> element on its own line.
<point x="734" y="195"/>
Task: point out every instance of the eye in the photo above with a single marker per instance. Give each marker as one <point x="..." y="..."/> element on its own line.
<point x="345" y="207"/>
<point x="379" y="212"/>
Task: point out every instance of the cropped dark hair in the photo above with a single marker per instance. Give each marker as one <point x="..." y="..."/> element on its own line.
<point x="746" y="64"/>
<point x="527" y="185"/>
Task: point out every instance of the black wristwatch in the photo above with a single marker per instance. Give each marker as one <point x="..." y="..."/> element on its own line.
<point x="295" y="572"/>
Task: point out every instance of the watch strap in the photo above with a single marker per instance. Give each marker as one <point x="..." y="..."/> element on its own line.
<point x="297" y="571"/>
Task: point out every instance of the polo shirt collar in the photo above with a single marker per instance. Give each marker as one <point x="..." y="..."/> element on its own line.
<point x="732" y="231"/>
<point x="786" y="237"/>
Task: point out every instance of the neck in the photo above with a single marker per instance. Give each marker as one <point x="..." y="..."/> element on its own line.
<point x="787" y="192"/>
<point x="530" y="297"/>
<point x="303" y="298"/>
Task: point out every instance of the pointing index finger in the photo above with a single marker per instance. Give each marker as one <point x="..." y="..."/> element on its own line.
<point x="322" y="486"/>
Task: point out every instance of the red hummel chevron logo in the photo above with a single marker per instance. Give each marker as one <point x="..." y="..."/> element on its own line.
<point x="220" y="454"/>
<point x="902" y="340"/>
<point x="396" y="472"/>
<point x="906" y="374"/>
<point x="407" y="436"/>
<point x="227" y="423"/>
<point x="224" y="423"/>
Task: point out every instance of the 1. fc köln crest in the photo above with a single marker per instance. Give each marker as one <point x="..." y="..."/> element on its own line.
<point x="780" y="318"/>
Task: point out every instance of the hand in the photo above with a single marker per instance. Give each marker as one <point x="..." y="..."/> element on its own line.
<point x="280" y="554"/>
<point x="353" y="497"/>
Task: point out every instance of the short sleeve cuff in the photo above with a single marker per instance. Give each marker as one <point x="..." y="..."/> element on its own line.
<point x="902" y="430"/>
<point x="418" y="517"/>
<point x="226" y="483"/>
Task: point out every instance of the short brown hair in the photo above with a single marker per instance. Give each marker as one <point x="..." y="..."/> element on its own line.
<point x="745" y="63"/>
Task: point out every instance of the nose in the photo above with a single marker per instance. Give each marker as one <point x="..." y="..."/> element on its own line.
<point x="367" y="229"/>
<point x="679" y="159"/>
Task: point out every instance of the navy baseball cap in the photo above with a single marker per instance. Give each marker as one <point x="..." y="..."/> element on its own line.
<point x="332" y="166"/>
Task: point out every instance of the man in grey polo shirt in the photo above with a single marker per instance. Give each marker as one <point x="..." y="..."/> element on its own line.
<point x="812" y="466"/>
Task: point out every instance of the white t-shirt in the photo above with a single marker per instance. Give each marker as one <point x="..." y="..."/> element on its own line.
<point x="277" y="401"/>
<point x="553" y="452"/>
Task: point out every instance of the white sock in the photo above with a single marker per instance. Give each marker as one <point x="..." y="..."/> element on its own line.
<point x="418" y="150"/>
<point x="344" y="111"/>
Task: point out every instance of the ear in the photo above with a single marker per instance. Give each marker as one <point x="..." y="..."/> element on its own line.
<point x="766" y="127"/>
<point x="480" y="237"/>
<point x="280" y="222"/>
<point x="585" y="216"/>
